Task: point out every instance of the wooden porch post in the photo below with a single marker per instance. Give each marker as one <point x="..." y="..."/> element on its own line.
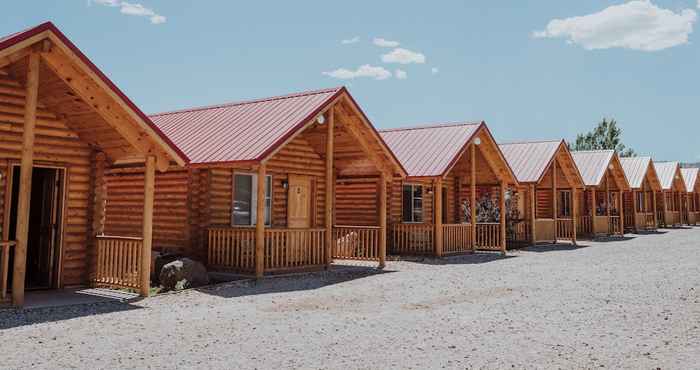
<point x="260" y="224"/>
<point x="554" y="199"/>
<point x="98" y="212"/>
<point x="25" y="180"/>
<point x="503" y="217"/>
<point x="437" y="200"/>
<point x="594" y="211"/>
<point x="382" y="220"/>
<point x="634" y="210"/>
<point x="656" y="216"/>
<point x="607" y="199"/>
<point x="574" y="193"/>
<point x="330" y="185"/>
<point x="148" y="196"/>
<point x="472" y="193"/>
<point x="533" y="229"/>
<point x="621" y="206"/>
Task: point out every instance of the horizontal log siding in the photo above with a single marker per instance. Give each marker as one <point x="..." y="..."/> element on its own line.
<point x="124" y="209"/>
<point x="55" y="144"/>
<point x="356" y="202"/>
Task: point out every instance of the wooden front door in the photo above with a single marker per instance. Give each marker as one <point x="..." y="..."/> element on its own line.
<point x="299" y="202"/>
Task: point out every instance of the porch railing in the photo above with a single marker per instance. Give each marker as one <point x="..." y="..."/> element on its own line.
<point x="630" y="220"/>
<point x="5" y="246"/>
<point x="118" y="262"/>
<point x="412" y="238"/>
<point x="488" y="236"/>
<point x="614" y="225"/>
<point x="649" y="222"/>
<point x="519" y="232"/>
<point x="287" y="249"/>
<point x="356" y="243"/>
<point x="457" y="238"/>
<point x="232" y="248"/>
<point x="565" y="229"/>
<point x="584" y="225"/>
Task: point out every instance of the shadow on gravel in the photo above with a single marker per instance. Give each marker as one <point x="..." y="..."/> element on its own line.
<point x="609" y="239"/>
<point x="292" y="282"/>
<point x="16" y="317"/>
<point x="651" y="232"/>
<point x="541" y="248"/>
<point x="464" y="259"/>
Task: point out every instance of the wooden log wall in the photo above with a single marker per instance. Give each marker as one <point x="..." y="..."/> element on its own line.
<point x="56" y="145"/>
<point x="356" y="202"/>
<point x="124" y="208"/>
<point x="3" y="186"/>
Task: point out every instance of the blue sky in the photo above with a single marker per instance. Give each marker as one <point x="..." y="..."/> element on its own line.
<point x="500" y="61"/>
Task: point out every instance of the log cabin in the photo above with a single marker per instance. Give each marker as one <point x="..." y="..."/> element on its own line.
<point x="600" y="205"/>
<point x="543" y="210"/>
<point x="640" y="200"/>
<point x="450" y="168"/>
<point x="668" y="200"/>
<point x="62" y="123"/>
<point x="272" y="185"/>
<point x="691" y="200"/>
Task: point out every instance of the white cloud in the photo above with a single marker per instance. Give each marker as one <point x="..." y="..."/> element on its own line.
<point x="377" y="73"/>
<point x="387" y="43"/>
<point x="353" y="40"/>
<point x="403" y="56"/>
<point x="637" y="25"/>
<point x="434" y="70"/>
<point x="400" y="74"/>
<point x="132" y="9"/>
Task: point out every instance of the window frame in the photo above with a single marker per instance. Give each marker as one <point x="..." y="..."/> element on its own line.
<point x="253" y="198"/>
<point x="413" y="198"/>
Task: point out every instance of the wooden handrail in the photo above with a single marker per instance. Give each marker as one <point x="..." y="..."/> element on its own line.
<point x="114" y="237"/>
<point x="356" y="227"/>
<point x="7" y="243"/>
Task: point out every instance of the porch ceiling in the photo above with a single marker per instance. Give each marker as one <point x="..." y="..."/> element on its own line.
<point x="63" y="106"/>
<point x="74" y="93"/>
<point x="356" y="153"/>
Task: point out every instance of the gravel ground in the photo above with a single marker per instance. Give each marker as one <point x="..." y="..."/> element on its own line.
<point x="616" y="304"/>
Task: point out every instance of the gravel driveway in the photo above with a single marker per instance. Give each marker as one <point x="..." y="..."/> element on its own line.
<point x="616" y="304"/>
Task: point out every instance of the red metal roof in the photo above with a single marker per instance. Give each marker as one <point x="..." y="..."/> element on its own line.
<point x="427" y="151"/>
<point x="690" y="176"/>
<point x="636" y="170"/>
<point x="592" y="165"/>
<point x="529" y="160"/>
<point x="667" y="172"/>
<point x="241" y="131"/>
<point x="10" y="40"/>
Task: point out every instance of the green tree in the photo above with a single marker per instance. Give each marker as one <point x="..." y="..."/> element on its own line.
<point x="604" y="136"/>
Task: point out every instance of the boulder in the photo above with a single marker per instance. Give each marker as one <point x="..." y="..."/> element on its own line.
<point x="183" y="273"/>
<point x="160" y="259"/>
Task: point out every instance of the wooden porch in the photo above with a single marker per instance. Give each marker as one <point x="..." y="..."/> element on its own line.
<point x="63" y="123"/>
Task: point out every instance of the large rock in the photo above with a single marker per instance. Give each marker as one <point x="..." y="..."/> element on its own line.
<point x="183" y="273"/>
<point x="160" y="259"/>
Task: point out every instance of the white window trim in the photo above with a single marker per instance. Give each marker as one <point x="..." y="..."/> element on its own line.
<point x="254" y="198"/>
<point x="422" y="197"/>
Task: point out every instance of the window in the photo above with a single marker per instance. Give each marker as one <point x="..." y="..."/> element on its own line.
<point x="564" y="205"/>
<point x="412" y="203"/>
<point x="245" y="199"/>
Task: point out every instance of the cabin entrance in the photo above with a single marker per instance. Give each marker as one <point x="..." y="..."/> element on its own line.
<point x="45" y="215"/>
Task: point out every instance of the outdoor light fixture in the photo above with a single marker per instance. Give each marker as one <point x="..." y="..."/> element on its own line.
<point x="477" y="141"/>
<point x="610" y="167"/>
<point x="321" y="119"/>
<point x="285" y="184"/>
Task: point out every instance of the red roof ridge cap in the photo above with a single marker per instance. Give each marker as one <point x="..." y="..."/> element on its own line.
<point x="429" y="126"/>
<point x="531" y="142"/>
<point x="253" y="101"/>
